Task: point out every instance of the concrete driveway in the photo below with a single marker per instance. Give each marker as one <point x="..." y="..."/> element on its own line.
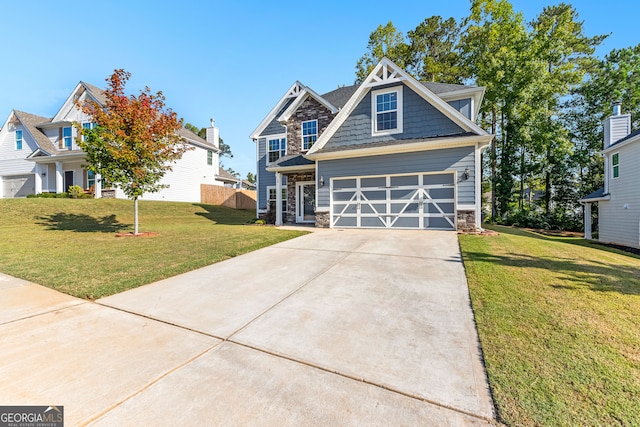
<point x="354" y="327"/>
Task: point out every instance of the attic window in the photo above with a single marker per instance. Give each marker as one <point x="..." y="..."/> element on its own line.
<point x="386" y="105"/>
<point x="18" y="139"/>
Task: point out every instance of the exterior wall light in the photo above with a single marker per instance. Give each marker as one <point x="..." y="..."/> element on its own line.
<point x="465" y="174"/>
<point x="321" y="181"/>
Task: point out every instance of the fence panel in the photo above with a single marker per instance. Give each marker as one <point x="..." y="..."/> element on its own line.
<point x="229" y="197"/>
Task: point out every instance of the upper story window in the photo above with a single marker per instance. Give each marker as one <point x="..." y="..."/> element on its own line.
<point x="386" y="105"/>
<point x="87" y="126"/>
<point x="276" y="148"/>
<point x="18" y="139"/>
<point x="309" y="133"/>
<point x="67" y="138"/>
<point x="209" y="157"/>
<point x="615" y="165"/>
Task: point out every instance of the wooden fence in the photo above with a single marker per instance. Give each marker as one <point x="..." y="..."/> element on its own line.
<point x="229" y="197"/>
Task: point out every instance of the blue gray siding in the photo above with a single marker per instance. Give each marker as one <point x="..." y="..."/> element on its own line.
<point x="464" y="106"/>
<point x="425" y="161"/>
<point x="275" y="128"/>
<point x="421" y="120"/>
<point x="265" y="179"/>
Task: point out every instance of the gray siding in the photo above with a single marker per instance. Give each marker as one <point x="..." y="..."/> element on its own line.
<point x="420" y="120"/>
<point x="265" y="179"/>
<point x="617" y="224"/>
<point x="275" y="128"/>
<point x="425" y="161"/>
<point x="464" y="106"/>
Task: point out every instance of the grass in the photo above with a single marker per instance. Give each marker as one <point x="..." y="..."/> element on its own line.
<point x="559" y="323"/>
<point x="70" y="245"/>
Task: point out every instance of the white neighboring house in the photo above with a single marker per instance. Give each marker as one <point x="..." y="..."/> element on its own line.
<point x="39" y="154"/>
<point x="619" y="199"/>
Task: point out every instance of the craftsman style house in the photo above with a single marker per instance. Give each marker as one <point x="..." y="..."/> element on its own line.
<point x="39" y="154"/>
<point x="391" y="152"/>
<point x="619" y="199"/>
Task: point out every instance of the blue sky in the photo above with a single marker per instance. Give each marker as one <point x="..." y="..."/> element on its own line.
<point x="230" y="60"/>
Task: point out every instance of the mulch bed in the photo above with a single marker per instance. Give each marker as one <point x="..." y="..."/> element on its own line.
<point x="635" y="251"/>
<point x="484" y="232"/>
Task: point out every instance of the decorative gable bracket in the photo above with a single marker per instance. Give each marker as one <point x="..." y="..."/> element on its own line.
<point x="386" y="74"/>
<point x="295" y="90"/>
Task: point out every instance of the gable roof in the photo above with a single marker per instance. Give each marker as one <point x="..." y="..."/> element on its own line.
<point x="289" y="96"/>
<point x="386" y="72"/>
<point x="196" y="140"/>
<point x="31" y="123"/>
<point x="306" y="93"/>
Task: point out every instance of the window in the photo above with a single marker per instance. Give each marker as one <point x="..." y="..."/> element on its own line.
<point x="18" y="139"/>
<point x="387" y="107"/>
<point x="309" y="133"/>
<point x="271" y="190"/>
<point x="91" y="180"/>
<point x="615" y="165"/>
<point x="66" y="137"/>
<point x="277" y="148"/>
<point x="87" y="126"/>
<point x="209" y="157"/>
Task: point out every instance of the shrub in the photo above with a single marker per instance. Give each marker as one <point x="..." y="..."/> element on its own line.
<point x="75" y="191"/>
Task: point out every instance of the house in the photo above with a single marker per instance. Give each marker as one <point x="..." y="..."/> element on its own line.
<point x="619" y="199"/>
<point x="391" y="152"/>
<point x="39" y="154"/>
<point x="233" y="181"/>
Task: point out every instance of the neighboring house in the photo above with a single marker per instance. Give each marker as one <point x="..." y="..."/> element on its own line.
<point x="233" y="181"/>
<point x="619" y="199"/>
<point x="391" y="152"/>
<point x="39" y="154"/>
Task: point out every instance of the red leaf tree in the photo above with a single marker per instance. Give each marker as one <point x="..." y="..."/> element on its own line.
<point x="135" y="140"/>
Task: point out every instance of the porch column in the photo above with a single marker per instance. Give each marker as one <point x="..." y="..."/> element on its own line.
<point x="97" y="186"/>
<point x="59" y="180"/>
<point x="278" y="198"/>
<point x="587" y="220"/>
<point x="38" y="176"/>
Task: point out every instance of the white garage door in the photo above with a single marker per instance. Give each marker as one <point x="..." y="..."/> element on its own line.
<point x="422" y="201"/>
<point x="18" y="186"/>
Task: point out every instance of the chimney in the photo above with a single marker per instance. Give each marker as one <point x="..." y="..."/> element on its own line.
<point x="213" y="135"/>
<point x="616" y="126"/>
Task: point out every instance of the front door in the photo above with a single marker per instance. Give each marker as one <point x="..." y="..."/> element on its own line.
<point x="68" y="180"/>
<point x="305" y="201"/>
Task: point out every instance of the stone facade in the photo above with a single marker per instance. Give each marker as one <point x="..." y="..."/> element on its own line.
<point x="466" y="221"/>
<point x="291" y="192"/>
<point x="323" y="219"/>
<point x="310" y="109"/>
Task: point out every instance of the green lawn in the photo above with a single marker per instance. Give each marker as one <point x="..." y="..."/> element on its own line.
<point x="559" y="323"/>
<point x="70" y="245"/>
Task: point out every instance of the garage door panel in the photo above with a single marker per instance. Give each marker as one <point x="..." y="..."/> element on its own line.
<point x="407" y="208"/>
<point x="407" y="180"/>
<point x="406" y="222"/>
<point x="438" y="179"/>
<point x="441" y="193"/>
<point x="373" y="222"/>
<point x="395" y="201"/>
<point x="379" y="195"/>
<point x="373" y="182"/>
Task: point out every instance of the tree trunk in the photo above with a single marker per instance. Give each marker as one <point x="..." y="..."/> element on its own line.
<point x="494" y="166"/>
<point x="135" y="216"/>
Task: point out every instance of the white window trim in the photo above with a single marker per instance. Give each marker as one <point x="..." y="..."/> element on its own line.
<point x="374" y="112"/>
<point x="64" y="145"/>
<point x="266" y="147"/>
<point x="613" y="167"/>
<point x="302" y="134"/>
<point x="209" y="157"/>
<point x="284" y="196"/>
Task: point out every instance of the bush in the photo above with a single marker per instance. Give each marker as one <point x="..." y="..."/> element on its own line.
<point x="75" y="191"/>
<point x="49" y="195"/>
<point x="535" y="218"/>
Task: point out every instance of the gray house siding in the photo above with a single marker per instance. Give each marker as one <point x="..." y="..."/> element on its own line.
<point x="265" y="179"/>
<point x="462" y="105"/>
<point x="425" y="161"/>
<point x="420" y="120"/>
<point x="274" y="128"/>
<point x="620" y="224"/>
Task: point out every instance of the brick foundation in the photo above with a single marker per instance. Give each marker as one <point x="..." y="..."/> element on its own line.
<point x="466" y="220"/>
<point x="323" y="219"/>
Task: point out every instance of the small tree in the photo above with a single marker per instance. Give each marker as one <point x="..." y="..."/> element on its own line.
<point x="135" y="141"/>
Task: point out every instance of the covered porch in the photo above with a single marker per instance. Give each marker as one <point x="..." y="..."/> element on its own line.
<point x="55" y="174"/>
<point x="597" y="196"/>
<point x="301" y="189"/>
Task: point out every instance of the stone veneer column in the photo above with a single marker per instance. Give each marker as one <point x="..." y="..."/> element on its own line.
<point x="466" y="220"/>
